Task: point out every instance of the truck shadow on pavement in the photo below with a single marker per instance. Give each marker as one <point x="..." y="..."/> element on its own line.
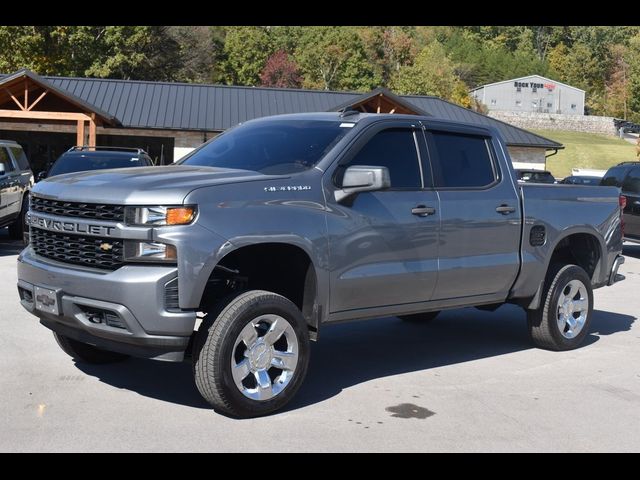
<point x="352" y="353"/>
<point x="8" y="246"/>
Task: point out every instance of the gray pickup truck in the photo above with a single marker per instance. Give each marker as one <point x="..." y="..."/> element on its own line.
<point x="283" y="224"/>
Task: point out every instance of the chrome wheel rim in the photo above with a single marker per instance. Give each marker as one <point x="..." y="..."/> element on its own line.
<point x="265" y="357"/>
<point x="573" y="308"/>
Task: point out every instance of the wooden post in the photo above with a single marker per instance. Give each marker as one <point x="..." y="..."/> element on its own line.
<point x="92" y="130"/>
<point x="80" y="133"/>
<point x="26" y="94"/>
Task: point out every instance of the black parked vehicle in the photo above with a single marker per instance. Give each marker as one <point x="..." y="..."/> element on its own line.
<point x="79" y="159"/>
<point x="581" y="180"/>
<point x="534" y="176"/>
<point x="16" y="180"/>
<point x="626" y="175"/>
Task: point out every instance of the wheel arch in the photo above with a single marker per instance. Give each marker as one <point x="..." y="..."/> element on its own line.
<point x="591" y="255"/>
<point x="285" y="266"/>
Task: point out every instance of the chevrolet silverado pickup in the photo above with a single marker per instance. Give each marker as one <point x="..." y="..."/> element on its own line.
<point x="239" y="254"/>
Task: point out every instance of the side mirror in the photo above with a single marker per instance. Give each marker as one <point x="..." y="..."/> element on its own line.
<point x="42" y="175"/>
<point x="2" y="170"/>
<point x="363" y="179"/>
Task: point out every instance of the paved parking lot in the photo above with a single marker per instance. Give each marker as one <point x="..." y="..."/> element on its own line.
<point x="469" y="381"/>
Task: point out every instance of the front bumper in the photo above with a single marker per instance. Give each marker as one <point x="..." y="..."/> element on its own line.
<point x="123" y="310"/>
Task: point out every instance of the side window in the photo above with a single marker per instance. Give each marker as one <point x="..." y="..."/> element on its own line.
<point x="632" y="182"/>
<point x="6" y="160"/>
<point x="614" y="177"/>
<point x="395" y="149"/>
<point x="462" y="161"/>
<point x="20" y="157"/>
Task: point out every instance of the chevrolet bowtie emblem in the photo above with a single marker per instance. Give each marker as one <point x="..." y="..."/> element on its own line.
<point x="106" y="247"/>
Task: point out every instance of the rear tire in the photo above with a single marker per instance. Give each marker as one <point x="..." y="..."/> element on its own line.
<point x="84" y="352"/>
<point x="562" y="320"/>
<point x="251" y="359"/>
<point x="424" y="317"/>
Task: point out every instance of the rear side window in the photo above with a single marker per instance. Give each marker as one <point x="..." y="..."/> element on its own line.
<point x="614" y="177"/>
<point x="20" y="157"/>
<point x="6" y="160"/>
<point x="632" y="182"/>
<point x="396" y="150"/>
<point x="462" y="161"/>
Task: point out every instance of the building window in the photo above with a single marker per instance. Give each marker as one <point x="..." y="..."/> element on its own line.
<point x="573" y="106"/>
<point x="549" y="105"/>
<point x="493" y="101"/>
<point x="518" y="103"/>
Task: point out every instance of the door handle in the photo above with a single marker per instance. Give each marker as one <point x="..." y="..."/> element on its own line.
<point x="423" y="211"/>
<point x="505" y="209"/>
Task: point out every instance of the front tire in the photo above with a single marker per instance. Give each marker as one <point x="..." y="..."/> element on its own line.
<point x="87" y="353"/>
<point x="251" y="359"/>
<point x="563" y="319"/>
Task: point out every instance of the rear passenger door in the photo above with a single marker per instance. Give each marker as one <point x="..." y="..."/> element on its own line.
<point x="479" y="216"/>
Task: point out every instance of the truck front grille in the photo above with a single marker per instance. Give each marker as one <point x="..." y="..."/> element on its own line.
<point x="106" y="253"/>
<point x="97" y="211"/>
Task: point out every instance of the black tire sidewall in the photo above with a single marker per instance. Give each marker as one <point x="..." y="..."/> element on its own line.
<point x="268" y="303"/>
<point x="563" y="277"/>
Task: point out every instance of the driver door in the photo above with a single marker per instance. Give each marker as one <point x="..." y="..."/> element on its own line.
<point x="382" y="253"/>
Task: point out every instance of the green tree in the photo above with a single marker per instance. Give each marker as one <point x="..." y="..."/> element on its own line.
<point x="199" y="51"/>
<point x="333" y="58"/>
<point x="432" y="73"/>
<point x="136" y="53"/>
<point x="246" y="50"/>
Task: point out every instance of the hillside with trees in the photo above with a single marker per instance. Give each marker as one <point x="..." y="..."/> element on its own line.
<point x="442" y="61"/>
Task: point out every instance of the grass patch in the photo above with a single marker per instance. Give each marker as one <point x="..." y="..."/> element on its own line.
<point x="586" y="150"/>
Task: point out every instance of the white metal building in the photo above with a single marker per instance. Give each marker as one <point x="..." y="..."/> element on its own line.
<point x="533" y="93"/>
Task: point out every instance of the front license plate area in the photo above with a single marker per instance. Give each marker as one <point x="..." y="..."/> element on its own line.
<point x="46" y="300"/>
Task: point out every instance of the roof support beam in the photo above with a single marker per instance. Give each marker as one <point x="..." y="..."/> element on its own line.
<point x="26" y="93"/>
<point x="13" y="97"/>
<point x="37" y="100"/>
<point x="31" y="115"/>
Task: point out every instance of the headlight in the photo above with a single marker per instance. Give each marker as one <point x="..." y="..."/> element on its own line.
<point x="135" y="251"/>
<point x="159" y="216"/>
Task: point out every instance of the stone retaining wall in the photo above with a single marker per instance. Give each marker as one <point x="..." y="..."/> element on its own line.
<point x="557" y="121"/>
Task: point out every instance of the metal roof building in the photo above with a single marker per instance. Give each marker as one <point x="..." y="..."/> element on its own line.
<point x="170" y="119"/>
<point x="533" y="93"/>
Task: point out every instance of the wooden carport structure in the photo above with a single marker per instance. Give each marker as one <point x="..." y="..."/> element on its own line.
<point x="26" y="97"/>
<point x="381" y="100"/>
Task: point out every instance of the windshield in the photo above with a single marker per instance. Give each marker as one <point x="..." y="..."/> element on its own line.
<point x="277" y="147"/>
<point x="79" y="163"/>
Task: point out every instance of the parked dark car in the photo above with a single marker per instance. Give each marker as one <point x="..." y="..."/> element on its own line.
<point x="16" y="180"/>
<point x="626" y="175"/>
<point x="534" y="176"/>
<point x="581" y="180"/>
<point x="80" y="159"/>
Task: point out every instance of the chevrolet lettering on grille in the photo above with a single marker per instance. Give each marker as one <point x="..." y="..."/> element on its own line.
<point x="71" y="227"/>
